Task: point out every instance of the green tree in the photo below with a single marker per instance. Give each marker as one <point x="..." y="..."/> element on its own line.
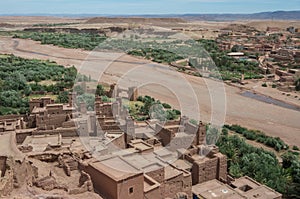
<point x="63" y="97"/>
<point x="100" y="90"/>
<point x="297" y="84"/>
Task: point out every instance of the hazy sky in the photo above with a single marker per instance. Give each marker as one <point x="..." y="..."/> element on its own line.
<point x="144" y="6"/>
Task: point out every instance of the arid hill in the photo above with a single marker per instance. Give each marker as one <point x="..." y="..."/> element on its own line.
<point x="134" y="20"/>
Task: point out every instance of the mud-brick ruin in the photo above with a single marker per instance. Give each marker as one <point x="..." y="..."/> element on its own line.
<point x="61" y="151"/>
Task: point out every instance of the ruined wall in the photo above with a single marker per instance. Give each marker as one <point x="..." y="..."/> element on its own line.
<point x="68" y="163"/>
<point x="6" y="178"/>
<point x="85" y="185"/>
<point x="3" y="165"/>
<point x="6" y="184"/>
<point x="24" y="172"/>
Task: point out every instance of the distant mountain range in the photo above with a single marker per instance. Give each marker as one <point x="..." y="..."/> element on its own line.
<point x="277" y="15"/>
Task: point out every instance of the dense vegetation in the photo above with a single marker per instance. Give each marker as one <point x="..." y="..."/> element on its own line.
<point x="53" y="24"/>
<point x="66" y="40"/>
<point x="156" y="55"/>
<point x="161" y="52"/>
<point x="20" y="77"/>
<point x="147" y="107"/>
<point x="262" y="165"/>
<point x="230" y="68"/>
<point x="259" y="136"/>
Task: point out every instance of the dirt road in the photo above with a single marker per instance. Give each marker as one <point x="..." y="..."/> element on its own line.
<point x="193" y="95"/>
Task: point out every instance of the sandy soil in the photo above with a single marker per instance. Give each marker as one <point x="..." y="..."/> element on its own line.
<point x="21" y="20"/>
<point x="263" y="25"/>
<point x="188" y="92"/>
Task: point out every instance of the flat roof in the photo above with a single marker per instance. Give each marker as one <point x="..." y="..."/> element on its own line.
<point x="215" y="189"/>
<point x="240" y="182"/>
<point x="115" y="168"/>
<point x="262" y="192"/>
<point x="171" y="172"/>
<point x="41" y="142"/>
<point x="38" y="110"/>
<point x="54" y="105"/>
<point x="257" y="190"/>
<point x="182" y="164"/>
<point x="236" y="54"/>
<point x="140" y="145"/>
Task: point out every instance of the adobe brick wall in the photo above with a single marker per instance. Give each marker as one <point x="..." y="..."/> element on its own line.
<point x="173" y="186"/>
<point x="85" y="185"/>
<point x="222" y="167"/>
<point x="187" y="184"/>
<point x="158" y="175"/>
<point x="154" y="192"/>
<point x="119" y="142"/>
<point x="6" y="178"/>
<point x="47" y="121"/>
<point x="21" y="136"/>
<point x="136" y="182"/>
<point x="3" y="165"/>
<point x="65" y="132"/>
<point x="209" y="168"/>
<point x="165" y="135"/>
<point x="111" y="189"/>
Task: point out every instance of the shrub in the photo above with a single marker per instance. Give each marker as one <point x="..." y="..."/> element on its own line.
<point x="167" y="106"/>
<point x="264" y="85"/>
<point x="295" y="148"/>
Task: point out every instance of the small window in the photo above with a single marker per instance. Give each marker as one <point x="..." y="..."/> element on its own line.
<point x="131" y="190"/>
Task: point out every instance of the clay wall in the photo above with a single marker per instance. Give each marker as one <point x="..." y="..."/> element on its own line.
<point x="205" y="170"/>
<point x="119" y="142"/>
<point x="154" y="191"/>
<point x="165" y="135"/>
<point x="158" y="175"/>
<point x="131" y="188"/>
<point x="3" y="165"/>
<point x="55" y="121"/>
<point x="222" y="167"/>
<point x="187" y="184"/>
<point x="173" y="186"/>
<point x="21" y="136"/>
<point x="6" y="178"/>
<point x="65" y="132"/>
